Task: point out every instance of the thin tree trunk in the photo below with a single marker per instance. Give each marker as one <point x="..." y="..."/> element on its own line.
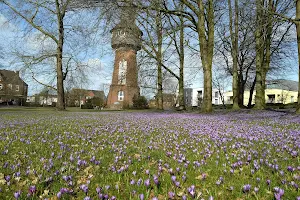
<point x="267" y="57"/>
<point x="259" y="98"/>
<point x="159" y="63"/>
<point x="234" y="53"/>
<point x="251" y="93"/>
<point x="181" y="72"/>
<point x="241" y="90"/>
<point x="59" y="65"/>
<point x="298" y="43"/>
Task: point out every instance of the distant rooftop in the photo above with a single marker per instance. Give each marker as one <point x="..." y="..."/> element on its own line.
<point x="282" y="84"/>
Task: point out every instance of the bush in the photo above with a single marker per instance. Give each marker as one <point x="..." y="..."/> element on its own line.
<point x="97" y="101"/>
<point x="87" y="105"/>
<point x="140" y="102"/>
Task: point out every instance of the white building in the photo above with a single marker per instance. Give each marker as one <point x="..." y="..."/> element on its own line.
<point x="194" y="96"/>
<point x="277" y="91"/>
<point x="42" y="100"/>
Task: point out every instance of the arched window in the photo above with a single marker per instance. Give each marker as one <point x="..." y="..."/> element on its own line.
<point x="120" y="95"/>
<point x="122" y="72"/>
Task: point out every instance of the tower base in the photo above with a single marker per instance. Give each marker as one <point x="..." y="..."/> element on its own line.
<point x="117" y="102"/>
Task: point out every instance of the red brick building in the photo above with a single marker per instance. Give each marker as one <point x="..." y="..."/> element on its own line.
<point x="126" y="40"/>
<point x="12" y="88"/>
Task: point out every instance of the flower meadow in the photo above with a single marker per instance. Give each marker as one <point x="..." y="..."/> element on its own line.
<point x="136" y="155"/>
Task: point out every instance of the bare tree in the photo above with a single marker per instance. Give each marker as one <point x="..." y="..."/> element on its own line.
<point x="31" y="12"/>
<point x="175" y="27"/>
<point x="59" y="42"/>
<point x="280" y="46"/>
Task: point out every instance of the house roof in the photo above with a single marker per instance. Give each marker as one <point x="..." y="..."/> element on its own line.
<point x="97" y="93"/>
<point x="11" y="76"/>
<point x="282" y="84"/>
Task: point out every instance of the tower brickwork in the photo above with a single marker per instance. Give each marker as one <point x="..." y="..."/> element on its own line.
<point x="126" y="41"/>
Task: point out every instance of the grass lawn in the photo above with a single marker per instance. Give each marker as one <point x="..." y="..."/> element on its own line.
<point x="45" y="154"/>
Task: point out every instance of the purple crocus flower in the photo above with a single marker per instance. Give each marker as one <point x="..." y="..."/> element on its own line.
<point x="191" y="191"/>
<point x="155" y="179"/>
<point x="7" y="178"/>
<point x="183" y="178"/>
<point x="32" y="189"/>
<point x="100" y="196"/>
<point x="98" y="190"/>
<point x="59" y="194"/>
<point x="147" y="183"/>
<point x="132" y="182"/>
<point x="84" y="188"/>
<point x="141" y="196"/>
<point x="246" y="188"/>
<point x="173" y="178"/>
<point x="139" y="182"/>
<point x="290" y="168"/>
<point x="87" y="198"/>
<point x="171" y="195"/>
<point x="278" y="193"/>
<point x="17" y="194"/>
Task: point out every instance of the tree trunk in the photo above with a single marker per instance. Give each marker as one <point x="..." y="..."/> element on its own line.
<point x="259" y="98"/>
<point x="207" y="101"/>
<point x="59" y="66"/>
<point x="251" y="93"/>
<point x="298" y="43"/>
<point x="159" y="63"/>
<point x="181" y="72"/>
<point x="241" y="90"/>
<point x="234" y="53"/>
<point x="267" y="47"/>
<point x="206" y="51"/>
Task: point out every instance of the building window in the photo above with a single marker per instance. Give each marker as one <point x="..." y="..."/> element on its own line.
<point x="17" y="88"/>
<point x="217" y="94"/>
<point x="1" y="87"/>
<point x="199" y="94"/>
<point x="122" y="72"/>
<point x="9" y="86"/>
<point x="292" y="99"/>
<point x="120" y="95"/>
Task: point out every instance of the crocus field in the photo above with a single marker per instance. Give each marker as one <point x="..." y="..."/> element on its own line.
<point x="148" y="155"/>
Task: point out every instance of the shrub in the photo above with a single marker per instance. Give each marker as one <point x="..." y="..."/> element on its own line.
<point x="88" y="105"/>
<point x="140" y="102"/>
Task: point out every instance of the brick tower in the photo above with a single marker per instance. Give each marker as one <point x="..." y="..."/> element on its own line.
<point x="126" y="41"/>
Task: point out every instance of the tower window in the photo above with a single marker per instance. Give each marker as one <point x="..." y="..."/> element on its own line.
<point x="9" y="86"/>
<point x="17" y="88"/>
<point x="121" y="95"/>
<point x="122" y="72"/>
<point x="1" y="87"/>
